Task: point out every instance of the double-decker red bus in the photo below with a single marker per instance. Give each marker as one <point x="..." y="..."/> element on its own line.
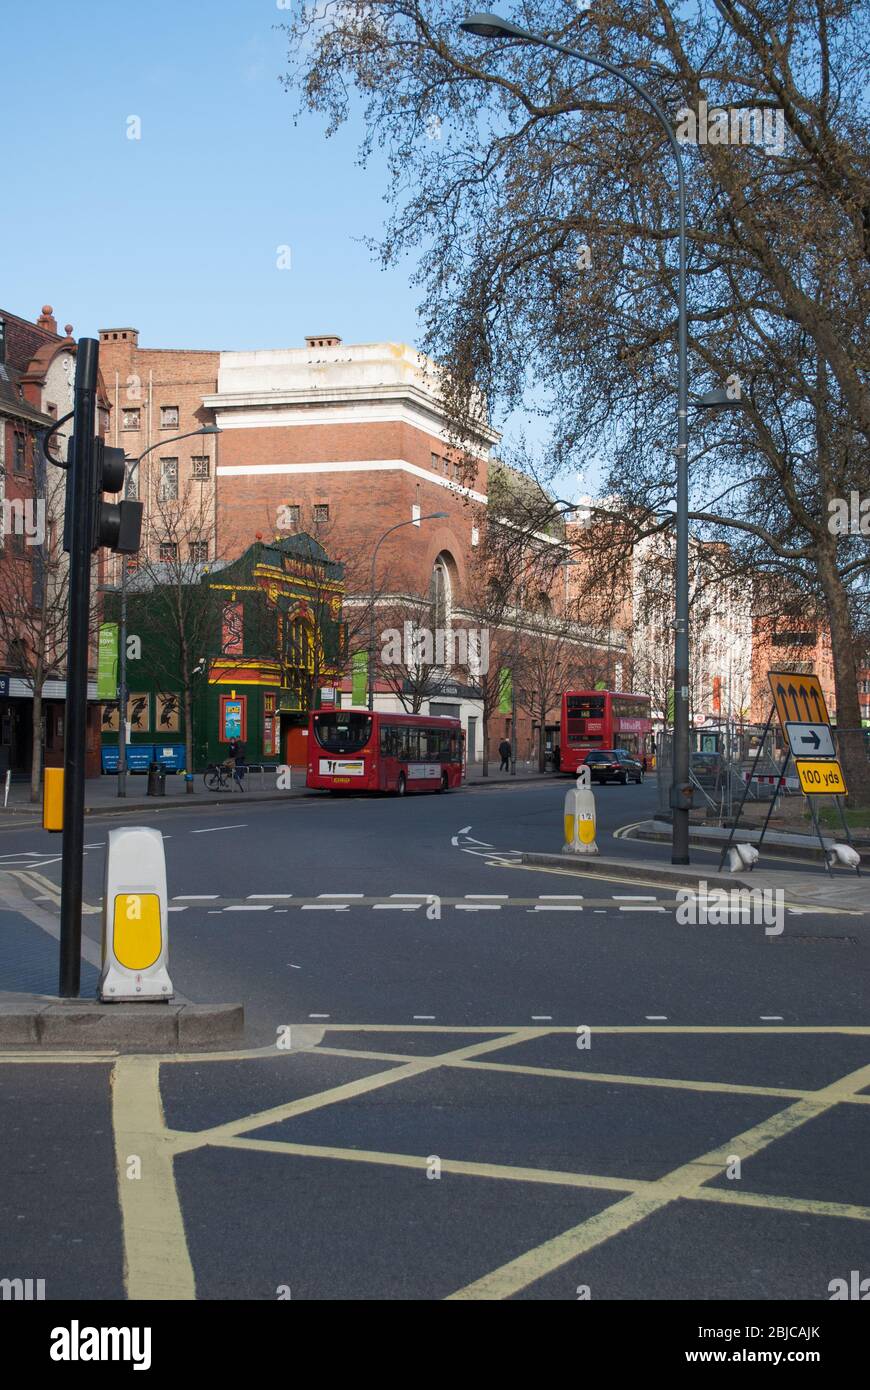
<point x="594" y="719"/>
<point x="361" y="750"/>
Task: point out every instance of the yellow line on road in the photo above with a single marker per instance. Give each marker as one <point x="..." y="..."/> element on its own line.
<point x="681" y="1182"/>
<point x="156" y="1260"/>
<point x="183" y="1141"/>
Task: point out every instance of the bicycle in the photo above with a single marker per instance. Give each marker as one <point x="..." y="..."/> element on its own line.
<point x="217" y="778"/>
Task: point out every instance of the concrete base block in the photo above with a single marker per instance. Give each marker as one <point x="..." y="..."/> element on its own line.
<point x="65" y="1024"/>
<point x="202" y="1024"/>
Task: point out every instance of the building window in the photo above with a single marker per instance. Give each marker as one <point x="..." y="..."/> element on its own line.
<point x="289" y="516"/>
<point x="130" y="419"/>
<point x="201" y="465"/>
<point x="169" y="417"/>
<point x="321" y="513"/>
<point x="18" y="464"/>
<point x="198" y="551"/>
<point x="132" y="491"/>
<point x="435" y="462"/>
<point x="168" y="551"/>
<point x="168" y="480"/>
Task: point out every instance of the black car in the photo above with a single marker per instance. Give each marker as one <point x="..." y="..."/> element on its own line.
<point x="614" y="765"/>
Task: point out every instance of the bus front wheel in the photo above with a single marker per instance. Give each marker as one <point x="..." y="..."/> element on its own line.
<point x="445" y="782"/>
<point x="400" y="785"/>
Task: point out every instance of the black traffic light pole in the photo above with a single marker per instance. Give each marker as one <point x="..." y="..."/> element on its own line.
<point x="81" y="483"/>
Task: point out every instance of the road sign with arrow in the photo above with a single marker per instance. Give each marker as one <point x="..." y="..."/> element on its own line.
<point x="798" y="698"/>
<point x="811" y="740"/>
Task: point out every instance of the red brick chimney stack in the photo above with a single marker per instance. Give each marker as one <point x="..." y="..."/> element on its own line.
<point x="47" y="320"/>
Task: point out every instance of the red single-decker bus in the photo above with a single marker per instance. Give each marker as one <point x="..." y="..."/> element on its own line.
<point x="593" y="719"/>
<point x="361" y="750"/>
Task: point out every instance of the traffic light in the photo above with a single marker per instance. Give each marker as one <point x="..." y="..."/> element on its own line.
<point x="117" y="525"/>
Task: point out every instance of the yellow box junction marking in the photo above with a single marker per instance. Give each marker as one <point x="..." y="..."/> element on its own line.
<point x="157" y="1262"/>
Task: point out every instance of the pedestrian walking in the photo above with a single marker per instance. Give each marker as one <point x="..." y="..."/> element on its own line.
<point x="504" y="749"/>
<point x="237" y="760"/>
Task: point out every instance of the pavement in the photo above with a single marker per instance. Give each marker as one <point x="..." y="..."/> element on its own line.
<point x="463" y="1076"/>
<point x="101" y="793"/>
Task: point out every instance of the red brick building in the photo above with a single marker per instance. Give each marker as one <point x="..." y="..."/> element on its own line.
<point x="37" y="372"/>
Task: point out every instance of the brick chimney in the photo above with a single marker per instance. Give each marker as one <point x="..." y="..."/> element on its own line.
<point x="317" y="340"/>
<point x="47" y="320"/>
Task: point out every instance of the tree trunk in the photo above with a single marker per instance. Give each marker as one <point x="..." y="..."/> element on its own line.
<point x="484" y="722"/>
<point x="850" y="737"/>
<point x="542" y="745"/>
<point x="36" y="742"/>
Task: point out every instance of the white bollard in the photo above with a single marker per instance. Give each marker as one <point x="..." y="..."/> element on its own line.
<point x="580" y="816"/>
<point x="135" y="936"/>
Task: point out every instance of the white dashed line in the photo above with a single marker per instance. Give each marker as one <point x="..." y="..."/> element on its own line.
<point x="656" y="1018"/>
<point x="273" y="896"/>
<point x="177" y="909"/>
<point x="324" y="907"/>
<point x="542" y="1018"/>
<point x="213" y="828"/>
<point x="194" y="897"/>
<point x="770" y="1018"/>
<point x="340" y="895"/>
<point x="249" y="907"/>
<point x="634" y="897"/>
<point x="319" y="1015"/>
<point x="424" y="1018"/>
<point x="641" y="908"/>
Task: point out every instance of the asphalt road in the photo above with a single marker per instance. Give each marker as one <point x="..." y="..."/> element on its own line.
<point x="463" y="1077"/>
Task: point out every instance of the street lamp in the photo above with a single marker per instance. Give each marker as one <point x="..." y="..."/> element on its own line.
<point x="414" y="521"/>
<point x="122" y="655"/>
<point x="493" y="26"/>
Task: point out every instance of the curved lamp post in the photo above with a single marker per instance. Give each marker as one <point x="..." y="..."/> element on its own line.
<point x="414" y="521"/>
<point x="122" y="654"/>
<point x="492" y="26"/>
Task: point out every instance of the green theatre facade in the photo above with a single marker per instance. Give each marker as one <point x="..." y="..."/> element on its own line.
<point x="240" y="652"/>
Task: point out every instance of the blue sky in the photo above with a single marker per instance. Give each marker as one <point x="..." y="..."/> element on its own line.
<point x="176" y="233"/>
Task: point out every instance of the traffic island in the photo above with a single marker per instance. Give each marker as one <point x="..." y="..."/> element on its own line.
<point x="635" y="870"/>
<point x="42" y="1021"/>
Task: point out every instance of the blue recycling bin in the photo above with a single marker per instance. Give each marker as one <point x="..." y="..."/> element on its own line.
<point x="170" y="756"/>
<point x="139" y="756"/>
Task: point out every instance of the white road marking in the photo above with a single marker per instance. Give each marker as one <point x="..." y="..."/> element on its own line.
<point x="324" y="907"/>
<point x="478" y="907"/>
<point x="555" y="907"/>
<point x="770" y="1018"/>
<point x="560" y="897"/>
<point x="249" y="907"/>
<point x="634" y="897"/>
<point x="340" y="895"/>
<point x="542" y="1018"/>
<point x="269" y="895"/>
<point x="640" y="908"/>
<point x="318" y="1015"/>
<point x="177" y="909"/>
<point x="211" y="830"/>
<point x="488" y="897"/>
<point x="425" y="1018"/>
<point x="194" y="897"/>
<point x="396" y="907"/>
<point x="656" y="1018"/>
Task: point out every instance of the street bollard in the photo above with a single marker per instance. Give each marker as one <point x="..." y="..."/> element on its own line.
<point x="580" y="816"/>
<point x="135" y="935"/>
